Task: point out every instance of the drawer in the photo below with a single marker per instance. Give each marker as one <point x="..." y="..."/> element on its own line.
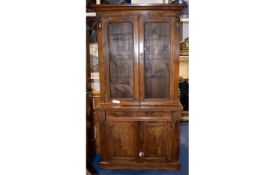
<point x="139" y="113"/>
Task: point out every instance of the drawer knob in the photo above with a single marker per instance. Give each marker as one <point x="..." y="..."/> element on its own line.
<point x="141" y="154"/>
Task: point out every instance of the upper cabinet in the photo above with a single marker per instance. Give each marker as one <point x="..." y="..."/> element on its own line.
<point x="139" y="55"/>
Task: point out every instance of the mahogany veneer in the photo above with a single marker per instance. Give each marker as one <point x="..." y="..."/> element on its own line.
<point x="136" y="119"/>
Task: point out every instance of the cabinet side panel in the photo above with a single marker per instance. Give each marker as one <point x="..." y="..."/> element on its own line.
<point x="175" y="130"/>
<point x="175" y="46"/>
<point x="101" y="136"/>
<point x="100" y="59"/>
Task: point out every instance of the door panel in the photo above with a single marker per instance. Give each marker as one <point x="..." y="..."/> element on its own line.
<point x="155" y="141"/>
<point x="120" y="36"/>
<point x="121" y="59"/>
<point x="122" y="140"/>
<point x="156" y="53"/>
<point x="156" y="59"/>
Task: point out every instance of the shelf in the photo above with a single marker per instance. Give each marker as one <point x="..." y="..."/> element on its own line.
<point x="184" y="58"/>
<point x="184" y="19"/>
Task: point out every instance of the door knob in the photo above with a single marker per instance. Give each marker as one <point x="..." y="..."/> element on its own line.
<point x="141" y="154"/>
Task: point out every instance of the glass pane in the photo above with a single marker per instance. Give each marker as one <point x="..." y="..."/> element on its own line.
<point x="121" y="51"/>
<point x="156" y="59"/>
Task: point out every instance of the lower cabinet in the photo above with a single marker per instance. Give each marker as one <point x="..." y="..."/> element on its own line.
<point x="139" y="144"/>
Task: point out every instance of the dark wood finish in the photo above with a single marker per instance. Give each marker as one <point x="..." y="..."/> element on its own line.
<point x="122" y="139"/>
<point x="120" y="58"/>
<point x="142" y="165"/>
<point x="156" y="58"/>
<point x="161" y="68"/>
<point x="155" y="141"/>
<point x="136" y="123"/>
<point x="131" y="7"/>
<point x="120" y="37"/>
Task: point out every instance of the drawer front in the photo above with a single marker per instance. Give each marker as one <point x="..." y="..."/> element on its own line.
<point x="139" y="113"/>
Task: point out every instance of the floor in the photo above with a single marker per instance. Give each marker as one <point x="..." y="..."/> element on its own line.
<point x="184" y="154"/>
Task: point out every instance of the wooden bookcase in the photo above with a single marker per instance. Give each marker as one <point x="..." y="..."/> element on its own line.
<point x="136" y="119"/>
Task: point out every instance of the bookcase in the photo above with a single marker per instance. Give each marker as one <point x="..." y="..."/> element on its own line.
<point x="136" y="122"/>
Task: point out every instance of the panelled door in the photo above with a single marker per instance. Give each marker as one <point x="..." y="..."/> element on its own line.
<point x="137" y="59"/>
<point x="120" y="57"/>
<point x="122" y="140"/>
<point x="154" y="137"/>
<point x="138" y="141"/>
<point x="156" y="80"/>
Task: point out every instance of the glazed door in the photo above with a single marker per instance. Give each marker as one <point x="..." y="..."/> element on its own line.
<point x="155" y="141"/>
<point x="122" y="141"/>
<point x="120" y="56"/>
<point x="156" y="37"/>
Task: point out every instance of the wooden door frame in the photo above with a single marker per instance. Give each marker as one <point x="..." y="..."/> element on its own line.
<point x="172" y="22"/>
<point x="105" y="76"/>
